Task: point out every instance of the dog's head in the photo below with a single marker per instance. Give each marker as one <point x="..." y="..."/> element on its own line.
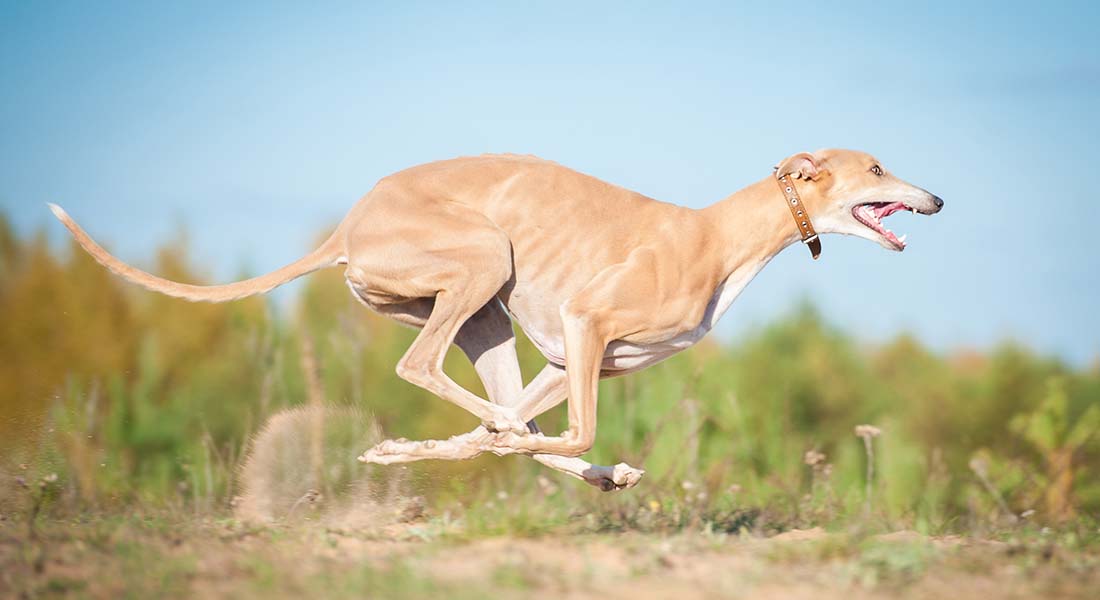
<point x="851" y="192"/>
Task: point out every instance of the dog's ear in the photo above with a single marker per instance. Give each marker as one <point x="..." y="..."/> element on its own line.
<point x="800" y="166"/>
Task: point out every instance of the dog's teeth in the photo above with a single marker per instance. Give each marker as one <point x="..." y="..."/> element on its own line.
<point x="902" y="238"/>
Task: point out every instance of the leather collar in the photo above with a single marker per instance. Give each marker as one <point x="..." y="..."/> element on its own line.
<point x="801" y="214"/>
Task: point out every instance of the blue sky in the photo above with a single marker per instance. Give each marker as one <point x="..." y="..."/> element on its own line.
<point x="255" y="127"/>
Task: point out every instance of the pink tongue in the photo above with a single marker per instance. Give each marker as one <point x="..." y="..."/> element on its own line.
<point x="881" y="212"/>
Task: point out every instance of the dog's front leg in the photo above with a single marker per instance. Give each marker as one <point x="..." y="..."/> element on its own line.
<point x="584" y="347"/>
<point x="488" y="340"/>
<point x="610" y="478"/>
<point x="546" y="391"/>
<point x="615" y="303"/>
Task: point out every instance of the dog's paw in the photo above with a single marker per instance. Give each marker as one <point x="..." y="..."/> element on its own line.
<point x="375" y="457"/>
<point x="620" y="477"/>
<point x="506" y="421"/>
<point x="503" y="444"/>
<point x="388" y="452"/>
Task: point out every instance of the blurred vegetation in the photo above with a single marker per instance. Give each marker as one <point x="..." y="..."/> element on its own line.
<point x="133" y="398"/>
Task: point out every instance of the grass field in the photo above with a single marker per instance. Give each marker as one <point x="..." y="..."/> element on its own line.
<point x="168" y="556"/>
<point x="151" y="447"/>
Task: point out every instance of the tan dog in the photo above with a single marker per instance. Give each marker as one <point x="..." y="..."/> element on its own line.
<point x="603" y="280"/>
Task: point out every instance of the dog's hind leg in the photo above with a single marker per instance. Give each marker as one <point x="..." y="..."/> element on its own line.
<point x="488" y="340"/>
<point x="400" y="261"/>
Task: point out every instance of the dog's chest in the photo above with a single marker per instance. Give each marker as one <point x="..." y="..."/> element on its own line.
<point x="627" y="356"/>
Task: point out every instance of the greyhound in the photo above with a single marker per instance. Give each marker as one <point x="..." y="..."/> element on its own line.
<point x="604" y="281"/>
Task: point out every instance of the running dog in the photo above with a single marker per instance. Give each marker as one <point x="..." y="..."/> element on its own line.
<point x="603" y="280"/>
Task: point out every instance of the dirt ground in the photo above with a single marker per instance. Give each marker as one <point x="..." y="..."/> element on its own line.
<point x="156" y="557"/>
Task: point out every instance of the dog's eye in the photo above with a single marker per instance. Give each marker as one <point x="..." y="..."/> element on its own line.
<point x="877" y="170"/>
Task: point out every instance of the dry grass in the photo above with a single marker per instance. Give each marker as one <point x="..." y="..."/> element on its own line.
<point x="145" y="556"/>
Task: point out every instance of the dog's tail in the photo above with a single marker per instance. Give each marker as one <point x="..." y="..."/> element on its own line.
<point x="327" y="255"/>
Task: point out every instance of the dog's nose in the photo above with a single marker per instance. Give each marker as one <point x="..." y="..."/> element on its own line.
<point x="938" y="202"/>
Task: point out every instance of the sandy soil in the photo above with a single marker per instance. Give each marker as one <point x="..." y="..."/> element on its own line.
<point x="144" y="558"/>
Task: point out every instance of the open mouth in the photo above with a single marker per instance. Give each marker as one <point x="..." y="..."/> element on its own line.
<point x="872" y="214"/>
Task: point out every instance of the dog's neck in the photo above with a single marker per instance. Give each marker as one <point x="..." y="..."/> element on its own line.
<point x="751" y="226"/>
<point x="754" y="224"/>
